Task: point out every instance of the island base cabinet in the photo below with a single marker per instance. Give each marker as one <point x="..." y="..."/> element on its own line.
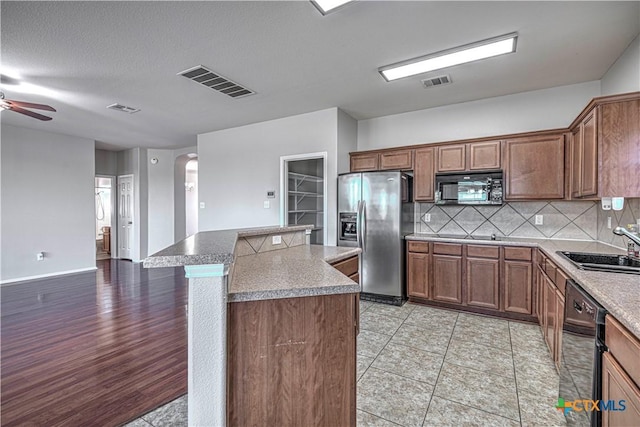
<point x="292" y="362"/>
<point x="618" y="387"/>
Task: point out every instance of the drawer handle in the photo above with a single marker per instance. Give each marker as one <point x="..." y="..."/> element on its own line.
<point x="577" y="307"/>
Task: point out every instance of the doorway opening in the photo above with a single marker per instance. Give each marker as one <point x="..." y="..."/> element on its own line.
<point x="191" y="197"/>
<point x="104" y="201"/>
<point x="303" y="188"/>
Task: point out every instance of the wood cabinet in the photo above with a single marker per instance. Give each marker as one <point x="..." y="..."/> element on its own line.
<point x="364" y="162"/>
<point x="584" y="157"/>
<point x="619" y="148"/>
<point x="423" y="175"/>
<point x="292" y="361"/>
<point x="551" y="282"/>
<point x="483" y="276"/>
<point x="518" y="279"/>
<point x="349" y="267"/>
<point x="620" y="375"/>
<point x="534" y="167"/>
<point x="418" y="269"/>
<point x="447" y="278"/>
<point x="484" y="155"/>
<point x="396" y="160"/>
<point x="452" y="158"/>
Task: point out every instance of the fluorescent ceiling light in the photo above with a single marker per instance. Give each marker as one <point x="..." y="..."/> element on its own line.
<point x="450" y="57"/>
<point x="326" y="6"/>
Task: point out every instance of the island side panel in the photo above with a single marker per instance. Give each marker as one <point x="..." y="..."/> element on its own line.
<point x="292" y="361"/>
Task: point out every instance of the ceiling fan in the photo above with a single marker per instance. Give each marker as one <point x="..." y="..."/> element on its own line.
<point x="21" y="107"/>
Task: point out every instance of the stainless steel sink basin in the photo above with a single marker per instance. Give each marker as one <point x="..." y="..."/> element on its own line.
<point x="603" y="262"/>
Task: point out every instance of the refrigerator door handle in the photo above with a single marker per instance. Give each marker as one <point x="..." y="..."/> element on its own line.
<point x="363" y="226"/>
<point x="358" y="229"/>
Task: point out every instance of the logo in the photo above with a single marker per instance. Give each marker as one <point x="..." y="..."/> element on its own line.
<point x="586" y="405"/>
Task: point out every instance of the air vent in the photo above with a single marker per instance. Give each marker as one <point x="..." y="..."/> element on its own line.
<point x="436" y="81"/>
<point x="215" y="81"/>
<point x="123" y="108"/>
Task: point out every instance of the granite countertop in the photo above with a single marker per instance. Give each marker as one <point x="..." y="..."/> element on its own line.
<point x="209" y="247"/>
<point x="618" y="293"/>
<point x="295" y="272"/>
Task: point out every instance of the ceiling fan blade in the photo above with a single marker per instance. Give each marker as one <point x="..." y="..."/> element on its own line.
<point x="30" y="105"/>
<point x="29" y="113"/>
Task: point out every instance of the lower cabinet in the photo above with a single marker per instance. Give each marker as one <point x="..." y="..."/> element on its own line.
<point x="489" y="279"/>
<point x="551" y="285"/>
<point x="620" y="375"/>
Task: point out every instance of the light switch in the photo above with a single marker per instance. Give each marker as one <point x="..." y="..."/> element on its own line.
<point x="201" y="205"/>
<point x="267" y="204"/>
<point x="539" y="219"/>
<point x="427" y="217"/>
<point x="609" y="222"/>
<point x="276" y="240"/>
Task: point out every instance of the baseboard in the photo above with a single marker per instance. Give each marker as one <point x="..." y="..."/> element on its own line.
<point x="42" y="276"/>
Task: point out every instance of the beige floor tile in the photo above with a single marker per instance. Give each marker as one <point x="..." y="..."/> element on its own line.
<point x="443" y="412"/>
<point x="409" y="362"/>
<point x="372" y="320"/>
<point x="433" y="337"/>
<point x="491" y="393"/>
<point x="393" y="310"/>
<point x="483" y="330"/>
<point x="173" y="414"/>
<point x="394" y="398"/>
<point x="480" y="357"/>
<point x="428" y="316"/>
<point x="371" y="343"/>
<point x="539" y="411"/>
<point x="365" y="419"/>
<point x="541" y="378"/>
<point x="362" y="364"/>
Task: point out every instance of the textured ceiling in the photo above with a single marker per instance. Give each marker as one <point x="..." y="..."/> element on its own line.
<point x="88" y="55"/>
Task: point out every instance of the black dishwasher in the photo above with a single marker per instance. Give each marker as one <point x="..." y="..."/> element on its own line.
<point x="581" y="364"/>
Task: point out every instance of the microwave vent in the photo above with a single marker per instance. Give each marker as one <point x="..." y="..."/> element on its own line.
<point x="436" y="81"/>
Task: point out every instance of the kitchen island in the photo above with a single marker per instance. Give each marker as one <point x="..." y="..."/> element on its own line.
<point x="272" y="327"/>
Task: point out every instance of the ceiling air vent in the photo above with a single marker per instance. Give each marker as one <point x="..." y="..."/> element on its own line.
<point x="436" y="81"/>
<point x="123" y="108"/>
<point x="215" y="81"/>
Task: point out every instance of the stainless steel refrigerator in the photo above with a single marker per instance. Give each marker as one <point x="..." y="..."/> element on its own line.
<point x="375" y="212"/>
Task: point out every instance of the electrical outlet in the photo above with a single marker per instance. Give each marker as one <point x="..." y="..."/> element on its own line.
<point x="40" y="256"/>
<point x="539" y="219"/>
<point x="609" y="222"/>
<point x="201" y="205"/>
<point x="266" y="204"/>
<point x="427" y="217"/>
<point x="276" y="240"/>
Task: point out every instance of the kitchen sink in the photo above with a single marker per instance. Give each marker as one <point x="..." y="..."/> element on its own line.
<point x="603" y="262"/>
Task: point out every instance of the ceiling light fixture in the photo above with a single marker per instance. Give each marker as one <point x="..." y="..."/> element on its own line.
<point x="326" y="6"/>
<point x="450" y="57"/>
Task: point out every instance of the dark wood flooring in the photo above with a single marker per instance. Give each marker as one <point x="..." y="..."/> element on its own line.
<point x="97" y="348"/>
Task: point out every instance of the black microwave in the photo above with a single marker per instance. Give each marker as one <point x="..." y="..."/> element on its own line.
<point x="471" y="188"/>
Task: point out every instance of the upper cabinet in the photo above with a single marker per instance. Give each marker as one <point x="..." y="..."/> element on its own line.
<point x="364" y="162"/>
<point x="469" y="157"/>
<point x="396" y="160"/>
<point x="534" y="167"/>
<point x="618" y="148"/>
<point x="423" y="182"/>
<point x="584" y="157"/>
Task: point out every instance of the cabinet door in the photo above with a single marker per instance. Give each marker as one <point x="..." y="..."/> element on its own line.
<point x="617" y="387"/>
<point x="483" y="282"/>
<point x="365" y="162"/>
<point x="589" y="163"/>
<point x="618" y="140"/>
<point x="418" y="275"/>
<point x="398" y="160"/>
<point x="447" y="278"/>
<point x="423" y="175"/>
<point x="559" y="317"/>
<point x="518" y="287"/>
<point x="484" y="155"/>
<point x="550" y="316"/>
<point x="534" y="168"/>
<point x="576" y="161"/>
<point x="452" y="158"/>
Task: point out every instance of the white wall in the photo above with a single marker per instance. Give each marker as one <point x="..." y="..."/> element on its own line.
<point x="106" y="162"/>
<point x="48" y="201"/>
<point x="624" y="74"/>
<point x="236" y="168"/>
<point x="347" y="140"/>
<point x="528" y="111"/>
<point x="191" y="202"/>
<point x="160" y="199"/>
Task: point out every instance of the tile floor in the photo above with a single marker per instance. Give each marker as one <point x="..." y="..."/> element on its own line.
<point x="422" y="366"/>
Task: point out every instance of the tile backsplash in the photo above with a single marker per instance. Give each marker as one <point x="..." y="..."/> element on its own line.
<point x="561" y="219"/>
<point x="630" y="214"/>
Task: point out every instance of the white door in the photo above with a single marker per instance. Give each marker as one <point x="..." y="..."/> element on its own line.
<point x="125" y="215"/>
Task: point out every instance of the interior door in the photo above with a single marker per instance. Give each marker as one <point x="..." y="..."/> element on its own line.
<point x="125" y="216"/>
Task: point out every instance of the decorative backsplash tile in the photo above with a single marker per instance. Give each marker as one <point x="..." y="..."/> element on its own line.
<point x="630" y="214"/>
<point x="561" y="220"/>
<point x="263" y="243"/>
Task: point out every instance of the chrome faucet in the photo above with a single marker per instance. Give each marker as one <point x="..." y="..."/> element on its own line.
<point x="620" y="231"/>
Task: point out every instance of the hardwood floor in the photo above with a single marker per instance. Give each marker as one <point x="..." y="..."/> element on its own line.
<point x="98" y="348"/>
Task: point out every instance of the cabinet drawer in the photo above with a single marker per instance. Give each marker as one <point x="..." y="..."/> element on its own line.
<point x="517" y="254"/>
<point x="355" y="277"/>
<point x="482" y="251"/>
<point x="550" y="268"/>
<point x="624" y="346"/>
<point x="561" y="280"/>
<point x="447" y="248"/>
<point x="347" y="267"/>
<point x="402" y="159"/>
<point x="419" y="247"/>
